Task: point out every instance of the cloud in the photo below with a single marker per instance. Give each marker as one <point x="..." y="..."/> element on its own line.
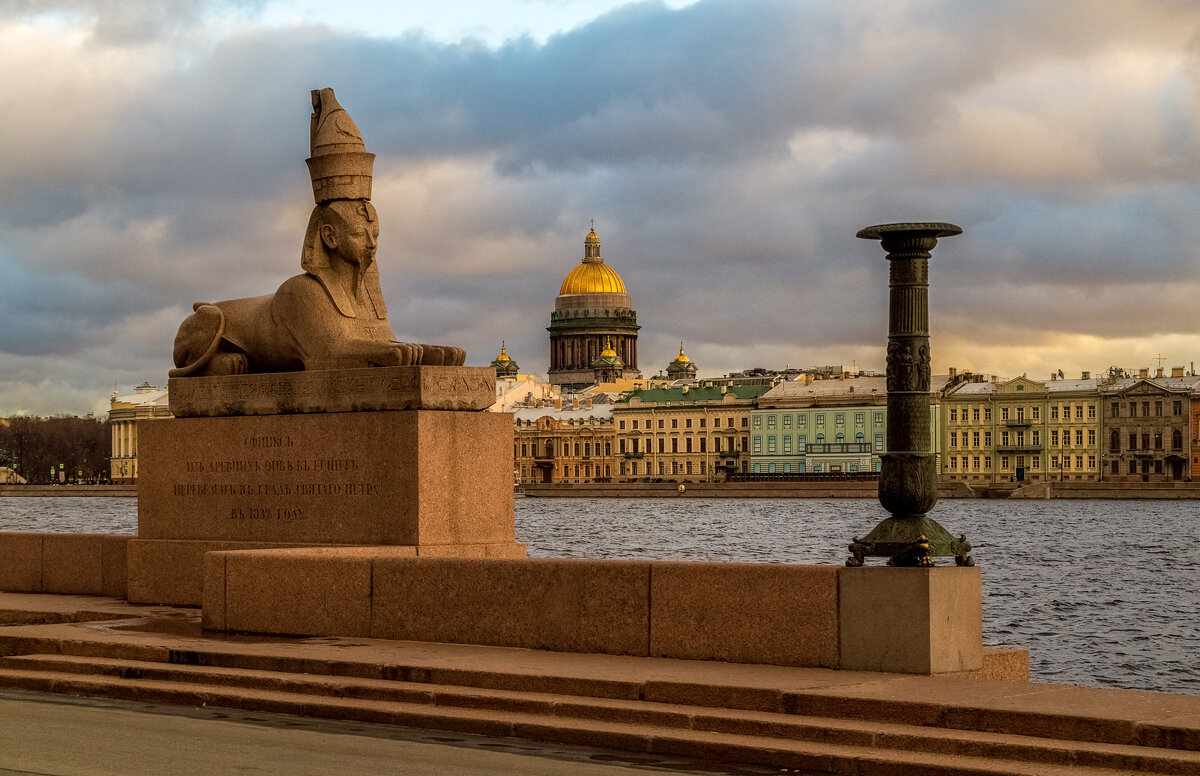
<point x="728" y="150"/>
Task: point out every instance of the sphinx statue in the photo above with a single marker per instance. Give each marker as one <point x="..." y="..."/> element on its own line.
<point x="332" y="316"/>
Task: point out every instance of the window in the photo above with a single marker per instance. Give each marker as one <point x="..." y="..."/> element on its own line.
<point x="716" y="422"/>
<point x="801" y="441"/>
<point x="1004" y="438"/>
<point x="879" y="417"/>
<point x="1115" y="409"/>
<point x="787" y="421"/>
<point x="1133" y="467"/>
<point x="1004" y="463"/>
<point x="860" y="418"/>
<point x="953" y="415"/>
<point x="1079" y="437"/>
<point x="770" y="421"/>
<point x="1079" y="411"/>
<point x="1132" y="441"/>
<point x="716" y="444"/>
<point x="1079" y="462"/>
<point x="1037" y="462"/>
<point x="758" y="421"/>
<point x="1054" y="462"/>
<point x="787" y="443"/>
<point x="1145" y="441"/>
<point x="1133" y="409"/>
<point x="859" y="437"/>
<point x="702" y="422"/>
<point x="1158" y="408"/>
<point x="987" y="438"/>
<point x="1116" y="467"/>
<point x="1092" y="462"/>
<point x="1145" y="409"/>
<point x="635" y="425"/>
<point x="662" y="445"/>
<point x="687" y="423"/>
<point x="1037" y="438"/>
<point x="1114" y="442"/>
<point x="820" y="439"/>
<point x="621" y="424"/>
<point x="820" y="419"/>
<point x="1054" y="412"/>
<point x="662" y="466"/>
<point x="975" y="462"/>
<point x="975" y="415"/>
<point x="840" y="418"/>
<point x="758" y="444"/>
<point x="744" y="421"/>
<point x="689" y="467"/>
<point x="975" y="439"/>
<point x="622" y="443"/>
<point x="954" y="439"/>
<point x="1021" y="413"/>
<point x="660" y="422"/>
<point x="987" y="413"/>
<point x="675" y="444"/>
<point x="687" y="444"/>
<point x="801" y="420"/>
<point x="771" y="443"/>
<point x="1092" y="411"/>
<point x="879" y="443"/>
<point x="1176" y="440"/>
<point x="987" y="462"/>
<point x="1054" y="438"/>
<point x="704" y="444"/>
<point x="1176" y="408"/>
<point x="674" y="422"/>
<point x="954" y="462"/>
<point x="1091" y="437"/>
<point x="1036" y="412"/>
<point x="1004" y="413"/>
<point x="1158" y="441"/>
<point x="841" y="438"/>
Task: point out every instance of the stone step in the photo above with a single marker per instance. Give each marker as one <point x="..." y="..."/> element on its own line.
<point x="64" y="673"/>
<point x="803" y="756"/>
<point x="911" y="705"/>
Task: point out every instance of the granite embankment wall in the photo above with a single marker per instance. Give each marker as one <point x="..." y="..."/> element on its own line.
<point x="1109" y="490"/>
<point x="831" y="489"/>
<point x="68" y="491"/>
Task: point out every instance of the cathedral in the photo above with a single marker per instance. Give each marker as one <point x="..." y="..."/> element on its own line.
<point x="593" y="330"/>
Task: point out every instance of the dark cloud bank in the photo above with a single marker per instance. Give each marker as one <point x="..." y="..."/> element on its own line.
<point x="728" y="150"/>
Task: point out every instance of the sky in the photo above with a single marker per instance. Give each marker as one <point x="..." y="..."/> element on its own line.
<point x="729" y="151"/>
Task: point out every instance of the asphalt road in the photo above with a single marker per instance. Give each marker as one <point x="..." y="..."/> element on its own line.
<point x="52" y="735"/>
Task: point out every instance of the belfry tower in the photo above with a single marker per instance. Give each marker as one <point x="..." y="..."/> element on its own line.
<point x="591" y="315"/>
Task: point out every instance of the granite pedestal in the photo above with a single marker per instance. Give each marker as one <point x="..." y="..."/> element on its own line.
<point x="436" y="481"/>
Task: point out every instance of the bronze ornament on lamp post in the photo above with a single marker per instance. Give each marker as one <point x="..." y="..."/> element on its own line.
<point x="908" y="479"/>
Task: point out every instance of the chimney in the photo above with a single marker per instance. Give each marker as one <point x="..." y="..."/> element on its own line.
<point x="724" y="389"/>
<point x="808" y="379"/>
<point x="1144" y="372"/>
<point x="587" y="403"/>
<point x="1158" y="372"/>
<point x="574" y="402"/>
<point x="953" y="372"/>
<point x="1086" y="375"/>
<point x="1053" y="376"/>
<point x="558" y="402"/>
<point x="1176" y="371"/>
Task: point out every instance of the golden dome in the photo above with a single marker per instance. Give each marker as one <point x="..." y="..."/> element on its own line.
<point x="593" y="277"/>
<point x="503" y="354"/>
<point x="608" y="351"/>
<point x="682" y="359"/>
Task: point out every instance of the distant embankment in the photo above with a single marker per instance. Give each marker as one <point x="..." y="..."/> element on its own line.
<point x="61" y="491"/>
<point x="1109" y="490"/>
<point x="833" y="489"/>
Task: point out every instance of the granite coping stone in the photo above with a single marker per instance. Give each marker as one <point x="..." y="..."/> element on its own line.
<point x="458" y="388"/>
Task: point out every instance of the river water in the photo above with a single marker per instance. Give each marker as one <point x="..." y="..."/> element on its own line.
<point x="1103" y="593"/>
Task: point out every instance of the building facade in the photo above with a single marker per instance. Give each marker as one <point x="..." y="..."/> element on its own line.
<point x="690" y="433"/>
<point x="1148" y="429"/>
<point x="820" y="426"/>
<point x="147" y="402"/>
<point x="568" y="445"/>
<point x="592" y="316"/>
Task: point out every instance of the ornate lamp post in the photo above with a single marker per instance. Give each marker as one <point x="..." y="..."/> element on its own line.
<point x="908" y="480"/>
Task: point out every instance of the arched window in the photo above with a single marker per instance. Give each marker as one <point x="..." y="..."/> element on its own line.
<point x="841" y="437"/>
<point x="1114" y="442"/>
<point x="859" y="437"/>
<point x="820" y="438"/>
<point x="1176" y="440"/>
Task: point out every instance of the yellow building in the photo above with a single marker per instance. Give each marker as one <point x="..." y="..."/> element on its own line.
<point x="571" y="444"/>
<point x="1022" y="430"/>
<point x="691" y="433"/>
<point x="147" y="402"/>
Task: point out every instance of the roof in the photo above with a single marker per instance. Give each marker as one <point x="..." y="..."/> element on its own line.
<point x="592" y="277"/>
<point x="145" y="398"/>
<point x="799" y="389"/>
<point x="696" y="393"/>
<point x="597" y="411"/>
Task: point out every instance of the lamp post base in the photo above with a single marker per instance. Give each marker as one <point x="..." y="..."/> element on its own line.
<point x="910" y="541"/>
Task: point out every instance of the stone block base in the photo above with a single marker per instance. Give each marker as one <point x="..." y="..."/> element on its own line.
<point x="77" y="564"/>
<point x="911" y="620"/>
<point x="163" y="571"/>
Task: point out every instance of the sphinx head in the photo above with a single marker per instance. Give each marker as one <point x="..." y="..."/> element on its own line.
<point x="345" y="230"/>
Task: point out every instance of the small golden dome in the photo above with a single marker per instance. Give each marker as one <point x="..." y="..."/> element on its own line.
<point x="503" y="354"/>
<point x="592" y="277"/>
<point x="592" y="237"/>
<point x="608" y="351"/>
<point x="682" y="359"/>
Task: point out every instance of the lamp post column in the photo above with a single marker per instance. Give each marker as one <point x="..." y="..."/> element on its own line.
<point x="908" y="478"/>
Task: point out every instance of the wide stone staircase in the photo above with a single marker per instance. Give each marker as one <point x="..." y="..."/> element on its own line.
<point x="801" y="720"/>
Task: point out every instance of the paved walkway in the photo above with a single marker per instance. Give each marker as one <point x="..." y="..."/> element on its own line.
<point x="52" y="735"/>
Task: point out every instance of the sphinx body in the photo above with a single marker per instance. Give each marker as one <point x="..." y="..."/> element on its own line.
<point x="331" y="317"/>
